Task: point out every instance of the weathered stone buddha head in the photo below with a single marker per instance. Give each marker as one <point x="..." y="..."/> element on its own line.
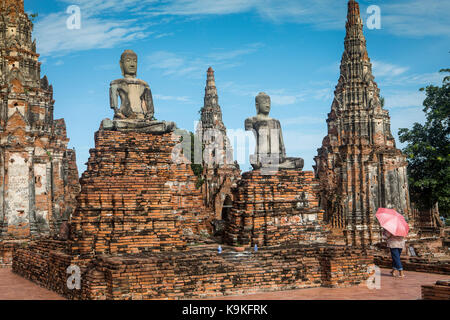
<point x="262" y="103"/>
<point x="128" y="64"/>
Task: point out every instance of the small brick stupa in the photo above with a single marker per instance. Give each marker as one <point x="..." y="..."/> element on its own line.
<point x="38" y="173"/>
<point x="220" y="172"/>
<point x="138" y="193"/>
<point x="359" y="167"/>
<point x="276" y="203"/>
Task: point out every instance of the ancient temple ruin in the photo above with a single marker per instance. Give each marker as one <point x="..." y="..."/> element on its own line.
<point x="38" y="173"/>
<point x="140" y="230"/>
<point x="219" y="170"/>
<point x="145" y="228"/>
<point x="359" y="167"/>
<point x="277" y="202"/>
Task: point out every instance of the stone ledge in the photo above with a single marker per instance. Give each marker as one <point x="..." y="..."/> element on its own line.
<point x="415" y="264"/>
<point x="197" y="273"/>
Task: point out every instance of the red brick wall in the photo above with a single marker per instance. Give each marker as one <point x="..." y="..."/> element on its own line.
<point x="134" y="198"/>
<point x="438" y="291"/>
<point x="276" y="209"/>
<point x="195" y="274"/>
<point x="6" y="251"/>
<point x="415" y="264"/>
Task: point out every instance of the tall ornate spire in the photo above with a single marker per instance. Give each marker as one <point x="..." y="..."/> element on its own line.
<point x="19" y="58"/>
<point x="18" y="4"/>
<point x="219" y="169"/>
<point x="12" y="7"/>
<point x="359" y="167"/>
<point x="211" y="97"/>
<point x="356" y="86"/>
<point x="211" y="112"/>
<point x="355" y="42"/>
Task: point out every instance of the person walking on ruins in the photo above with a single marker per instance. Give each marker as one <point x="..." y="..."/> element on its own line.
<point x="396" y="244"/>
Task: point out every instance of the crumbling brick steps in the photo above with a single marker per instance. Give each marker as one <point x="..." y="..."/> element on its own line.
<point x="438" y="291"/>
<point x="197" y="273"/>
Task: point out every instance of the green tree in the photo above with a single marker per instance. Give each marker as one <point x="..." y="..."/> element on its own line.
<point x="428" y="150"/>
<point x="33" y="16"/>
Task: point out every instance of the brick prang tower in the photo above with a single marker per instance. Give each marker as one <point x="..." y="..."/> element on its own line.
<point x="219" y="170"/>
<point x="359" y="166"/>
<point x="38" y="174"/>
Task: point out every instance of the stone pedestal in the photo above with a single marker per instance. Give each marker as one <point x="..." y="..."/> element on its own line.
<point x="134" y="198"/>
<point x="281" y="208"/>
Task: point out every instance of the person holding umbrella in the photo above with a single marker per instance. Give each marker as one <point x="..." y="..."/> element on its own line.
<point x="396" y="245"/>
<point x="395" y="229"/>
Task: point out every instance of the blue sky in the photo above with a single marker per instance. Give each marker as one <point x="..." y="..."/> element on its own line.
<point x="290" y="49"/>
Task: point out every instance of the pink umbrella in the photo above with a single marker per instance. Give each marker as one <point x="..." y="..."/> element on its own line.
<point x="393" y="222"/>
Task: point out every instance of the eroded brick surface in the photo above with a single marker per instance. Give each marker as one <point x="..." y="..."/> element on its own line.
<point x="276" y="209"/>
<point x="134" y="198"/>
<point x="194" y="274"/>
<point x="38" y="174"/>
<point x="438" y="291"/>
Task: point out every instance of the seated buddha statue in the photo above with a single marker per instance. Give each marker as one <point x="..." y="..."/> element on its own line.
<point x="136" y="110"/>
<point x="270" y="150"/>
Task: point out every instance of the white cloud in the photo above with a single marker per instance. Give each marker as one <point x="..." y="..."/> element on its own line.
<point x="382" y="69"/>
<point x="283" y="100"/>
<point x="417" y="18"/>
<point x="404" y="18"/>
<point x="322" y="13"/>
<point x="164" y="35"/>
<point x="324" y="94"/>
<point x="56" y="39"/>
<point x="417" y="79"/>
<point x="300" y="144"/>
<point x="205" y="7"/>
<point x="302" y="120"/>
<point x="186" y="64"/>
<point x="105" y="7"/>
<point x="404" y="99"/>
<point x="106" y="23"/>
<point x="229" y="55"/>
<point x="171" y="98"/>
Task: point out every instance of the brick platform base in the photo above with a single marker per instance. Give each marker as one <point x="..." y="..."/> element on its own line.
<point x="439" y="291"/>
<point x="134" y="198"/>
<point x="415" y="264"/>
<point x="277" y="209"/>
<point x="197" y="273"/>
